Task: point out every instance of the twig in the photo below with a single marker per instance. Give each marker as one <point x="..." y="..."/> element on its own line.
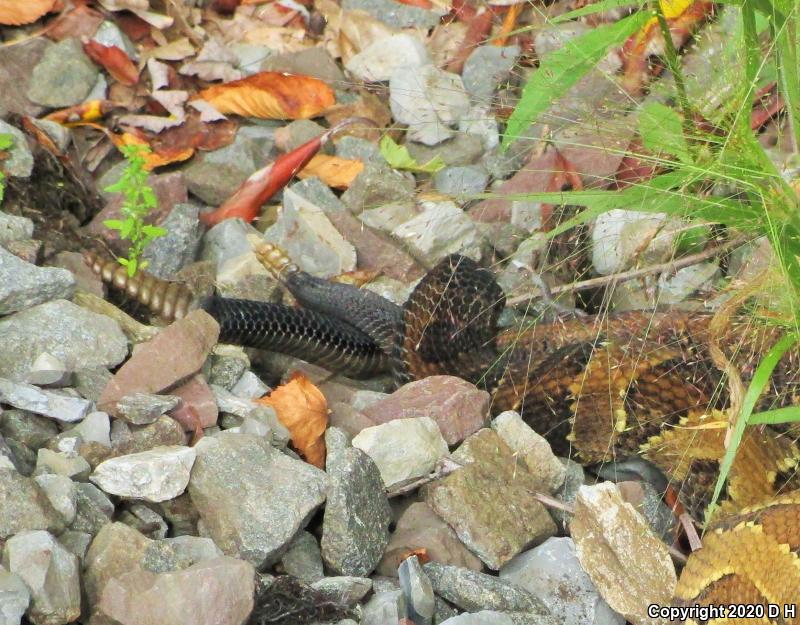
<point x="552" y="502"/>
<point x="673" y="265"/>
<point x="444" y="467"/>
<point x="691" y="531"/>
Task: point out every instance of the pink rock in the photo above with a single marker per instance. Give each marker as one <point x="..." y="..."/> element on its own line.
<point x="458" y="407"/>
<point x="170" y="189"/>
<point x="197" y="397"/>
<point x="176" y="353"/>
<point x="347" y="418"/>
<point x="212" y="592"/>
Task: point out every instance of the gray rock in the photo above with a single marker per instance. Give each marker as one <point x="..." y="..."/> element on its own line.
<point x="389" y="216"/>
<point x="169" y="254"/>
<point x="462" y="149"/>
<point x="403" y="449"/>
<point x="214" y="176"/>
<point x="675" y="288"/>
<point x="15" y="69"/>
<point x="76" y="542"/>
<point x="303" y="559"/>
<point x="358" y="149"/>
<point x="51" y="574"/>
<point x="27" y="428"/>
<point x="344" y="590"/>
<point x="14" y="228"/>
<point x="63" y="77"/>
<point x="249" y="386"/>
<point x="156" y="475"/>
<point x="376" y="185"/>
<point x="402" y="16"/>
<point x="226" y="245"/>
<point x="91" y="381"/>
<point x="472" y="591"/>
<point x="96" y="427"/>
<point x="417" y="590"/>
<point x="95" y="509"/>
<point x="486" y="68"/>
<point x="144" y="520"/>
<point x="144" y="408"/>
<point x="61" y="492"/>
<point x="253" y="499"/>
<point x="19" y="164"/>
<point x="574" y="478"/>
<point x="316" y="62"/>
<point x="116" y="550"/>
<point x="138" y="597"/>
<point x="69" y="464"/>
<point x="429" y="100"/>
<point x="384" y="607"/>
<point x="459" y="181"/>
<point x="440" y="230"/>
<point x="47" y="403"/>
<point x="356" y="521"/>
<point x="193" y="549"/>
<point x="552" y="573"/>
<point x="23" y="284"/>
<point x="43" y="402"/>
<point x="484" y="617"/>
<point x="14" y="598"/>
<point x="379" y="60"/>
<point x="7" y="458"/>
<point x="301" y="131"/>
<point x="81" y="339"/>
<point x="310" y="239"/>
<point x="24" y="506"/>
<point x="47" y="370"/>
<point x="618" y="236"/>
<point x="227" y="368"/>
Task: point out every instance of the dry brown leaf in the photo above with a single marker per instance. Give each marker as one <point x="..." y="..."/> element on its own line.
<point x="154" y="159"/>
<point x="271" y="95"/>
<point x="302" y="408"/>
<point x="334" y="171"/>
<point x="17" y="12"/>
<point x="367" y="105"/>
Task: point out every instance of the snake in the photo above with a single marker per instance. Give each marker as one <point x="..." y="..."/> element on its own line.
<point x="599" y="388"/>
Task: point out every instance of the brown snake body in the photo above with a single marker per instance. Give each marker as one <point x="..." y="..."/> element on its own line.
<point x="599" y="388"/>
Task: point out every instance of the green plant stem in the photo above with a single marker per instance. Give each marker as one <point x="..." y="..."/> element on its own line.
<point x="673" y="65"/>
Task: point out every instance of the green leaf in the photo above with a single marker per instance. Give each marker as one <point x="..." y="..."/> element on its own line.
<point x="398" y="157"/>
<point x="759" y="382"/>
<point x="123" y="261"/>
<point x="113" y="224"/>
<point x="127" y="228"/>
<point x="597" y="7"/>
<point x="6" y="141"/>
<point x="790" y="414"/>
<point x="133" y="265"/>
<point x="118" y="187"/>
<point x="152" y="232"/>
<point x="661" y="130"/>
<point x="563" y="68"/>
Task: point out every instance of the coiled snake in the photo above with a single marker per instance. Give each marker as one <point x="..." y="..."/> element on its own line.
<point x="599" y="388"/>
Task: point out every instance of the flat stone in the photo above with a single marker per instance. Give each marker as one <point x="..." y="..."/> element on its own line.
<point x="472" y="591"/>
<point x="356" y="521"/>
<point x="485" y="68"/>
<point x="175" y="353"/>
<point x="417" y="591"/>
<point x="66" y="463"/>
<point x="27" y="428"/>
<point x="316" y="62"/>
<point x="383" y="607"/>
<point x="403" y="449"/>
<point x="403" y="16"/>
<point x="440" y="230"/>
<point x="532" y="448"/>
<point x="197" y="404"/>
<point x="378" y="61"/>
<point x="145" y="598"/>
<point x="61" y="492"/>
<point x="151" y="524"/>
<point x="552" y="573"/>
<point x="43" y="402"/>
<point x="253" y="499"/>
<point x="23" y="284"/>
<point x="19" y="164"/>
<point x="24" y="506"/>
<point x="460" y="150"/>
<point x="51" y="574"/>
<point x="14" y="598"/>
<point x="144" y="408"/>
<point x="156" y="475"/>
<point x="96" y="427"/>
<point x="420" y="528"/>
<point x="76" y="336"/>
<point x="376" y="185"/>
<point x="63" y="77"/>
<point x="630" y="566"/>
<point x="14" y="228"/>
<point x="461" y="181"/>
<point x="169" y="254"/>
<point x="310" y="239"/>
<point x="303" y="559"/>
<point x="116" y="550"/>
<point x="457" y="407"/>
<point x="48" y="370"/>
<point x="488" y="502"/>
<point x="346" y="590"/>
<point x="15" y="69"/>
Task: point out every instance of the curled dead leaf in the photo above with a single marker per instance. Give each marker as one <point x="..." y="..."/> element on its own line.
<point x="334" y="171"/>
<point x="302" y="408"/>
<point x="115" y="61"/>
<point x="271" y="95"/>
<point x="420" y="552"/>
<point x="15" y="12"/>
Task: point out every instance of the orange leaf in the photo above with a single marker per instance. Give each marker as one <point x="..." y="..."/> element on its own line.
<point x="16" y="12"/>
<point x="302" y="408"/>
<point x="114" y="60"/>
<point x="89" y="111"/>
<point x="420" y="552"/>
<point x="334" y="171"/>
<point x="271" y="95"/>
<point x="153" y="159"/>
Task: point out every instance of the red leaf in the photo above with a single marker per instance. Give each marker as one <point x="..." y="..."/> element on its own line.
<point x="114" y="60"/>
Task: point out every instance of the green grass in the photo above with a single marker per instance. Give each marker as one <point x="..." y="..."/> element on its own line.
<point x="767" y="48"/>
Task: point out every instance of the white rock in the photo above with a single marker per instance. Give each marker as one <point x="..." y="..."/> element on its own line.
<point x="250" y="386"/>
<point x="48" y="370"/>
<point x="158" y="474"/>
<point x="65" y="463"/>
<point x="677" y="287"/>
<point x="14" y="598"/>
<point x="48" y="403"/>
<point x="23" y="284"/>
<point x="61" y="492"/>
<point x="403" y="449"/>
<point x="310" y="239"/>
<point x="381" y="58"/>
<point x="96" y="427"/>
<point x="620" y="236"/>
<point x="50" y="573"/>
<point x="441" y="229"/>
<point x="429" y="100"/>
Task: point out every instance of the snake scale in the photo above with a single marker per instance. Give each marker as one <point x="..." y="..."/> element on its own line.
<point x="599" y="388"/>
